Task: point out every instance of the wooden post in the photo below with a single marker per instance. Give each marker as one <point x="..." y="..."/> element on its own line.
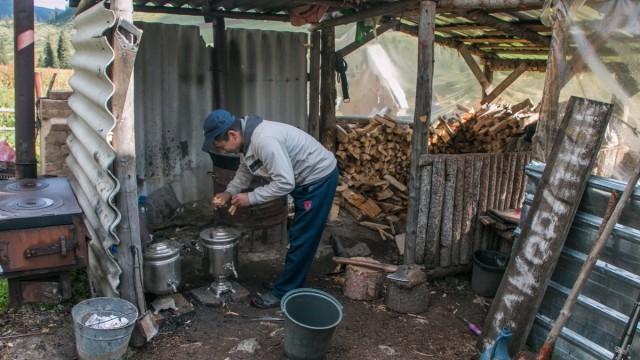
<point x="548" y="222"/>
<point x="421" y="120"/>
<point x="488" y="74"/>
<point x="328" y="90"/>
<point x="314" y="85"/>
<point x="556" y="62"/>
<point x="124" y="166"/>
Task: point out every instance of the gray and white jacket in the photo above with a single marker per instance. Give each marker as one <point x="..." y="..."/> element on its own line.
<point x="283" y="154"/>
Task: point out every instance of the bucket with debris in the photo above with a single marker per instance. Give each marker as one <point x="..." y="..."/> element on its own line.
<point x="103" y="327"/>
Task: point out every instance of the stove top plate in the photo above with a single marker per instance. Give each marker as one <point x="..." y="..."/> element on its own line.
<point x="29" y="203"/>
<point x="27" y="185"/>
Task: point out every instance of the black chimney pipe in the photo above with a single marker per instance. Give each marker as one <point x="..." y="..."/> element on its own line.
<point x="23" y="36"/>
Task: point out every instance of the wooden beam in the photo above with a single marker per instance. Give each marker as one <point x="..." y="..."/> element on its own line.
<point x="475" y="69"/>
<point x="441" y="40"/>
<point x="421" y="118"/>
<point x="509" y="28"/>
<point x="500" y="48"/>
<point x="124" y="165"/>
<point x="330" y="3"/>
<point x="209" y="14"/>
<point x="492" y="40"/>
<point x="530" y="26"/>
<point x="521" y="52"/>
<point x="505" y="83"/>
<point x="380" y="10"/>
<point x="503" y="5"/>
<point x="390" y="24"/>
<point x="512" y="64"/>
<point x="327" y="89"/>
<point x="549" y="219"/>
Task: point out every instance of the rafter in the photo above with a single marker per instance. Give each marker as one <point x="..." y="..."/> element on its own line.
<point x="509" y="28"/>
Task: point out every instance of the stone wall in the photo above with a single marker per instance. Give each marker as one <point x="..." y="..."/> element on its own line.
<point x="53" y="112"/>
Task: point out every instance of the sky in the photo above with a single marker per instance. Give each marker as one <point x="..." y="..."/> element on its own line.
<point x="51" y="4"/>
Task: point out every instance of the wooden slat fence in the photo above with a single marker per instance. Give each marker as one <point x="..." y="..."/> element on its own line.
<point x="455" y="190"/>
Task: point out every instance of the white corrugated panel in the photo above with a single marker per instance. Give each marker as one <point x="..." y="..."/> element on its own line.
<point x="268" y="75"/>
<point x="173" y="95"/>
<point x="91" y="154"/>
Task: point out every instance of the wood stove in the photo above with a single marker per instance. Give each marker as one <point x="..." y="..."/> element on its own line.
<point x="41" y="237"/>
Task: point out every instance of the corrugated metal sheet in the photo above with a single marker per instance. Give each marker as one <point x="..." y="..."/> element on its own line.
<point x="173" y="95"/>
<point x="91" y="154"/>
<point x="268" y="75"/>
<point x="456" y="191"/>
<point x="599" y="317"/>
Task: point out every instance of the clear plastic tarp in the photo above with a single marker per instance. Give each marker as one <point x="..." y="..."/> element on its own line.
<point x="601" y="62"/>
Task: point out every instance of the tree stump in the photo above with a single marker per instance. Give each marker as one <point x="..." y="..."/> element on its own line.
<point x="363" y="283"/>
<point x="408" y="297"/>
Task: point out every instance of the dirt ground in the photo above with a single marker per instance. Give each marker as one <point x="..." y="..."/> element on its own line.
<point x="368" y="330"/>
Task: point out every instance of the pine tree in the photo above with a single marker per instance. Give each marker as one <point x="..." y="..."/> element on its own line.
<point x="4" y="57"/>
<point x="50" y="55"/>
<point x="65" y="49"/>
<point x="40" y="62"/>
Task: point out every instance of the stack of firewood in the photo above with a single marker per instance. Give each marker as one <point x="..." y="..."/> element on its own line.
<point x="375" y="158"/>
<point x="375" y="164"/>
<point x="485" y="131"/>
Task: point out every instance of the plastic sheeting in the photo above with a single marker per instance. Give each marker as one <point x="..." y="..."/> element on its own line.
<point x="382" y="74"/>
<point x="601" y="63"/>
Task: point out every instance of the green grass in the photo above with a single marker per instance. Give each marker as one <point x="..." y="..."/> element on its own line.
<point x="4" y="295"/>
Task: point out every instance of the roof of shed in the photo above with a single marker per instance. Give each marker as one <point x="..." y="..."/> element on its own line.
<point x="502" y="31"/>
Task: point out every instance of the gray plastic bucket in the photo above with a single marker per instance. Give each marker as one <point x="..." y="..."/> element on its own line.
<point x="488" y="269"/>
<point x="103" y="344"/>
<point x="311" y="316"/>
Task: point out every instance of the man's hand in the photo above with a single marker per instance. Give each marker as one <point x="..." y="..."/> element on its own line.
<point x="220" y="200"/>
<point x="241" y="200"/>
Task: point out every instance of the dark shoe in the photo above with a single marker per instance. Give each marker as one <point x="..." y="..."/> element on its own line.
<point x="266" y="301"/>
<point x="269" y="285"/>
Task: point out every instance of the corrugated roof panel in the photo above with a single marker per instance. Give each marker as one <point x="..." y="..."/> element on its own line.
<point x="90" y="151"/>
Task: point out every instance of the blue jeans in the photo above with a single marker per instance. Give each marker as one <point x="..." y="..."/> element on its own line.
<point x="312" y="205"/>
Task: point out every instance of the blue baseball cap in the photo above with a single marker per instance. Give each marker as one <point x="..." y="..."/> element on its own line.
<point x="216" y="123"/>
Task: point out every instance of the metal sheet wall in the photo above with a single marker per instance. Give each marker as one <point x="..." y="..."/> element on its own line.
<point x="91" y="154"/>
<point x="173" y="95"/>
<point x="598" y="319"/>
<point x="268" y="75"/>
<point x="456" y="190"/>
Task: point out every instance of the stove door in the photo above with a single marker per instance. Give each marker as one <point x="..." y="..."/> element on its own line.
<point x="41" y="248"/>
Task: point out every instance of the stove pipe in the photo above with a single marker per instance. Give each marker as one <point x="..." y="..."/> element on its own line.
<point x="26" y="164"/>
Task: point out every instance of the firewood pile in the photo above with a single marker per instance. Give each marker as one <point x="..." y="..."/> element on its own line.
<point x="375" y="164"/>
<point x="375" y="158"/>
<point x="485" y="131"/>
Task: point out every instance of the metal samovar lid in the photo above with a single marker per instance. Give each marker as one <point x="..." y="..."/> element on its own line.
<point x="161" y="249"/>
<point x="219" y="234"/>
